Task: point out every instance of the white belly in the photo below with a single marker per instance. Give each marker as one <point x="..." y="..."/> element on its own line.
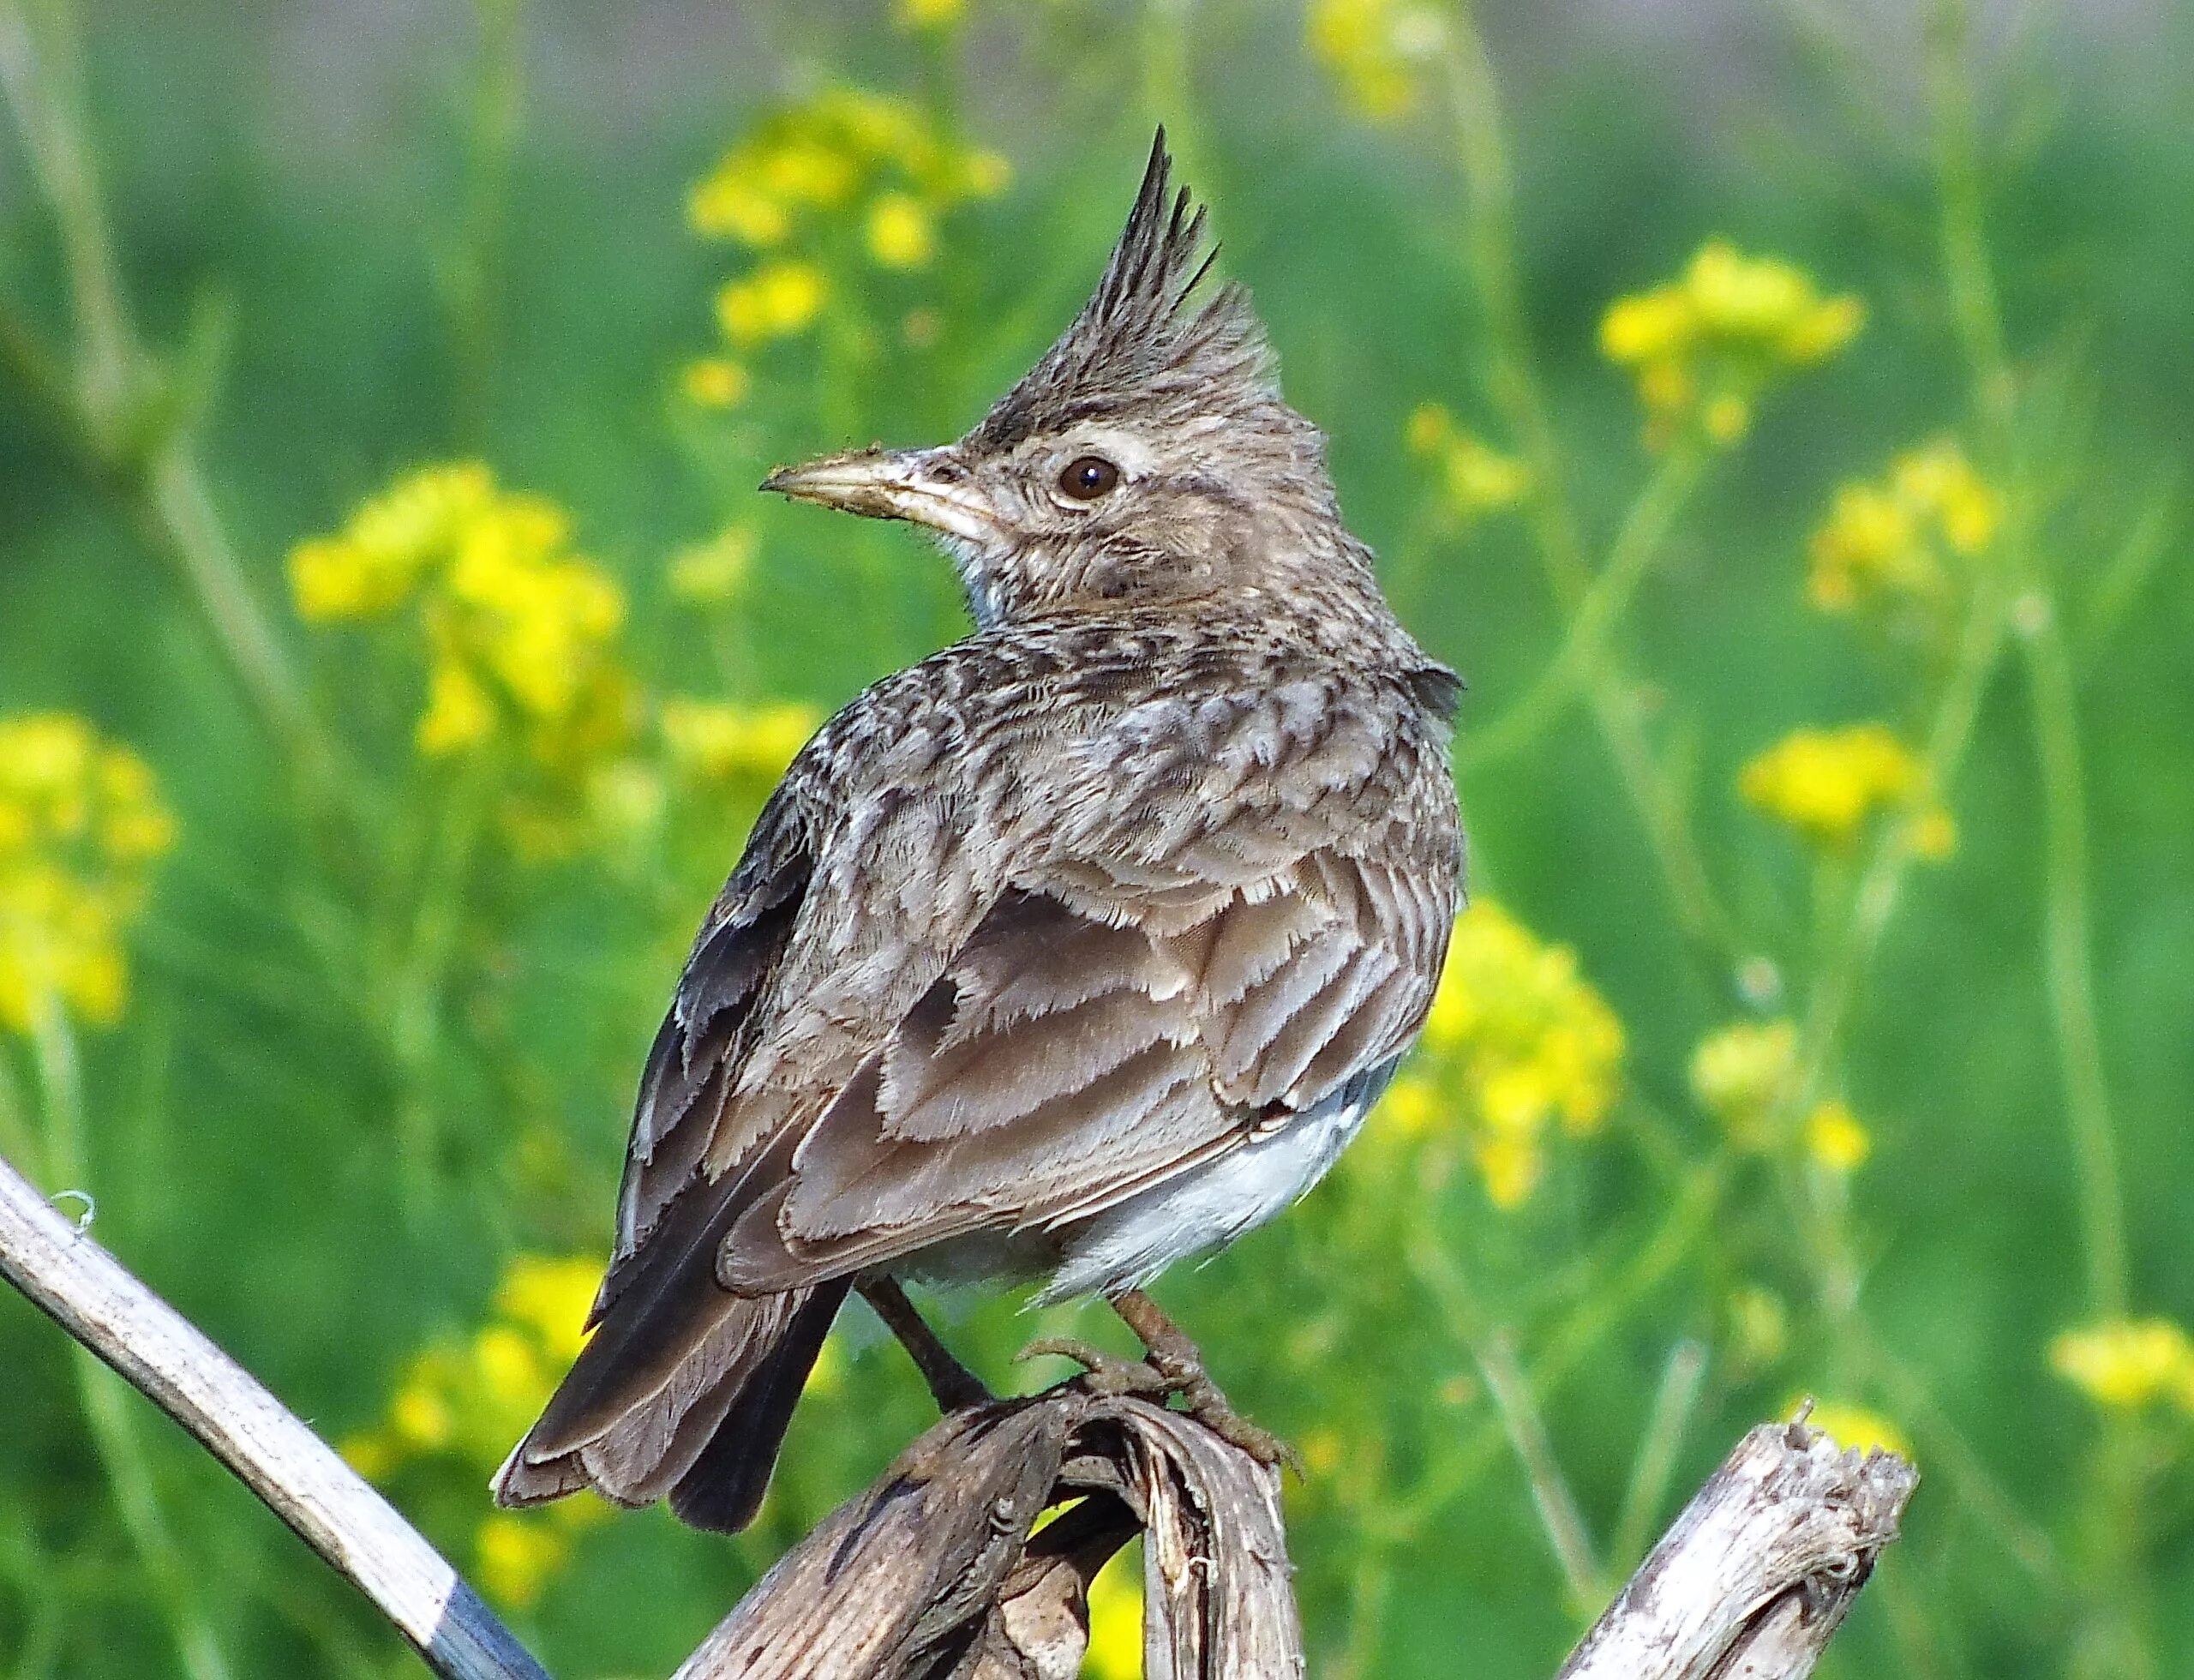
<point x="1209" y="1206"/>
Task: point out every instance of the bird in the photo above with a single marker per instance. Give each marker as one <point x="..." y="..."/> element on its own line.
<point x="1082" y="946"/>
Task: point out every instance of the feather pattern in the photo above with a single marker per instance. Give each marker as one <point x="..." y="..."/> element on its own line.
<point x="1080" y="946"/>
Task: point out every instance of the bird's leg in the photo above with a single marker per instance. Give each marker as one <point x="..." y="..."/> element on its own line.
<point x="953" y="1385"/>
<point x="1173" y="1365"/>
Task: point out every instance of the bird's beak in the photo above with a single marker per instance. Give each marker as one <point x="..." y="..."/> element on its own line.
<point x="928" y="487"/>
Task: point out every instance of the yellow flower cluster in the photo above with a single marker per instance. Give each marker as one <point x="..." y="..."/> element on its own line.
<point x="2128" y="1365"/>
<point x="1378" y="50"/>
<point x="80" y="824"/>
<point x="1827" y="785"/>
<point x="712" y="741"/>
<point x="1745" y="1073"/>
<point x="844" y="159"/>
<point x="1516" y="1039"/>
<point x="1473" y="478"/>
<point x="520" y="632"/>
<point x="467" y="1399"/>
<point x="1902" y="543"/>
<point x="1703" y="347"/>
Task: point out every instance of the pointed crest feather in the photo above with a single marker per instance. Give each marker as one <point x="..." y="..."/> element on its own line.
<point x="1136" y="340"/>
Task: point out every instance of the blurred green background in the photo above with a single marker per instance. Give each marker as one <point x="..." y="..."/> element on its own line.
<point x="361" y="1110"/>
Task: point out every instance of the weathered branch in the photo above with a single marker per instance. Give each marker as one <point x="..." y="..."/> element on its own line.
<point x="934" y="1570"/>
<point x="946" y="1569"/>
<point x="1758" y="1572"/>
<point x="299" y="1476"/>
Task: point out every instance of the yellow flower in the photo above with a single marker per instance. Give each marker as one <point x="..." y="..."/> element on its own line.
<point x="1704" y="346"/>
<point x="1836" y="1140"/>
<point x="1856" y="1427"/>
<point x="928" y="13"/>
<point x="1377" y="49"/>
<point x="1115" y="1650"/>
<point x="1474" y="479"/>
<point x="1827" y="784"/>
<point x="1741" y="1073"/>
<point x="1516" y="1042"/>
<point x="375" y="563"/>
<point x="714" y="572"/>
<point x="82" y="822"/>
<point x="550" y="1298"/>
<point x="779" y="299"/>
<point x="459" y="714"/>
<point x="519" y="633"/>
<point x="516" y="1555"/>
<point x="901" y="233"/>
<point x="1901" y="544"/>
<point x="715" y="740"/>
<point x="2126" y="1365"/>
<point x="715" y="382"/>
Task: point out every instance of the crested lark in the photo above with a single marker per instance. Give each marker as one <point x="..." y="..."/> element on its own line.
<point x="1080" y="946"/>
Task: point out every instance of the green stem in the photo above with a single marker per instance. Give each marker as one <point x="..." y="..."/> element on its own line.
<point x="2066" y="944"/>
<point x="103" y="406"/>
<point x="421" y="978"/>
<point x="1969" y="279"/>
<point x="498" y="110"/>
<point x="1452" y="1472"/>
<point x="108" y="1407"/>
<point x="1518" y="392"/>
<point x="1638" y="542"/>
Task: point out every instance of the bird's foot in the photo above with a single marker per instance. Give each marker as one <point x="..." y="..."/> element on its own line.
<point x="1171" y="1368"/>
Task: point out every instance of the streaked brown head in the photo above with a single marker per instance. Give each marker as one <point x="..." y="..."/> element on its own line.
<point x="1147" y="457"/>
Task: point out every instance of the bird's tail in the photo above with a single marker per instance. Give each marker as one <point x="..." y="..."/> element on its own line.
<point x="700" y="1422"/>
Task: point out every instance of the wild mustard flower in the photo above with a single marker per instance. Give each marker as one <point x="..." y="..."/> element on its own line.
<point x="2128" y="1365"/>
<point x="1517" y="1042"/>
<point x="1903" y="544"/>
<point x="82" y="823"/>
<point x="789" y="190"/>
<point x="1705" y="347"/>
<point x="1827" y="785"/>
<point x="1856" y="1428"/>
<point x="1474" y="479"/>
<point x="1741" y="1073"/>
<point x="1835" y="1139"/>
<point x="712" y="741"/>
<point x="715" y="381"/>
<point x="777" y="301"/>
<point x="461" y="1401"/>
<point x="1379" y="51"/>
<point x="519" y="633"/>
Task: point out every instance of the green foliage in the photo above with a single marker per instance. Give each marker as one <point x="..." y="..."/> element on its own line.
<point x="378" y="417"/>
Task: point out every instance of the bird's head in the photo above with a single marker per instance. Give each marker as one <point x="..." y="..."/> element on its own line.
<point x="1147" y="457"/>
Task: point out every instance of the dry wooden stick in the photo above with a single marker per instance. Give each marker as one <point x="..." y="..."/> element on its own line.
<point x="1759" y="1571"/>
<point x="299" y="1476"/>
<point x="941" y="1568"/>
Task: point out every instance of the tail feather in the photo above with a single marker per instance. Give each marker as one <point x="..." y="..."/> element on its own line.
<point x="722" y="1488"/>
<point x="722" y="1409"/>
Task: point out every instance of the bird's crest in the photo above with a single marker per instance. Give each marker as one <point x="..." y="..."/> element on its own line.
<point x="1137" y="341"/>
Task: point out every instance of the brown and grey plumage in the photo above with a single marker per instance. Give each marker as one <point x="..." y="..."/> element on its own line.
<point x="1079" y="947"/>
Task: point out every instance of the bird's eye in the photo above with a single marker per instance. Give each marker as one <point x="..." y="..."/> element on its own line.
<point x="1089" y="477"/>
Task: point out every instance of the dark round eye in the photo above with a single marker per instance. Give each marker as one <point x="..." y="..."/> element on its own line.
<point x="1090" y="477"/>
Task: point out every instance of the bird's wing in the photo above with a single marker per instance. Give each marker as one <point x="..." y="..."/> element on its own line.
<point x="681" y="1106"/>
<point x="1173" y="974"/>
